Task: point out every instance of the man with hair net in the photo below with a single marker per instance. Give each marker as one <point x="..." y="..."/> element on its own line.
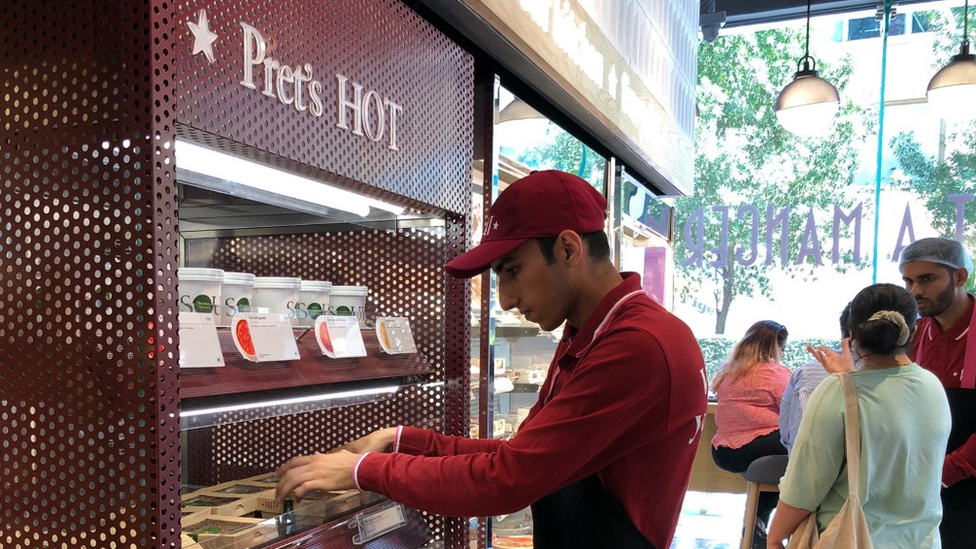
<point x="935" y="271"/>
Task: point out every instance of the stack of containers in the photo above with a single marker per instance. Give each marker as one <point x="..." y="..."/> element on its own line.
<point x="224" y="294"/>
<point x="277" y="294"/>
<point x="313" y="301"/>
<point x="200" y="289"/>
<point x="236" y="294"/>
<point x="349" y="301"/>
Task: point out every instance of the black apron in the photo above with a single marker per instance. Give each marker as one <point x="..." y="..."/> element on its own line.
<point x="584" y="516"/>
<point x="959" y="500"/>
<point x="958" y="526"/>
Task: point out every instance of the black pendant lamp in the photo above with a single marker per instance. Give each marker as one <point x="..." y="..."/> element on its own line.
<point x="952" y="91"/>
<point x="807" y="105"/>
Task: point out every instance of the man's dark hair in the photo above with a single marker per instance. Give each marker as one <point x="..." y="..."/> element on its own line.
<point x="597" y="246"/>
<point x="845" y="321"/>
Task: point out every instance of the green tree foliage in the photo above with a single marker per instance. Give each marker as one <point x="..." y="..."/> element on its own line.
<point x="937" y="178"/>
<point x="716" y="350"/>
<point x="561" y="151"/>
<point x="745" y="157"/>
<point x="951" y="170"/>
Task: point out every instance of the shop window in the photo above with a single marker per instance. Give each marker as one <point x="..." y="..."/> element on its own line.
<point x="924" y="21"/>
<point x="790" y="229"/>
<point x="837" y="32"/>
<point x="870" y="27"/>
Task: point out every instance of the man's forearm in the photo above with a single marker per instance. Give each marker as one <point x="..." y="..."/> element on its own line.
<point x="960" y="464"/>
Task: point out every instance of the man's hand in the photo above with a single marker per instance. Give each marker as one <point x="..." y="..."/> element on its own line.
<point x="377" y="441"/>
<point x="302" y="474"/>
<point x="831" y="361"/>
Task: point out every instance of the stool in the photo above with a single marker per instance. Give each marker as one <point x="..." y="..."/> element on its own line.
<point x="762" y="475"/>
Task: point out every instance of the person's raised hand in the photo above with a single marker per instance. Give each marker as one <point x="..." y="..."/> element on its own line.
<point x="377" y="441"/>
<point x="833" y="362"/>
<point x="300" y="475"/>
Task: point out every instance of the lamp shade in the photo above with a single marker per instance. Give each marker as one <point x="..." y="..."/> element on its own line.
<point x="952" y="91"/>
<point x="807" y="105"/>
<point x="518" y="110"/>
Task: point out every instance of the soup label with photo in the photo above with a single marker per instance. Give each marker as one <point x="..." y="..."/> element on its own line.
<point x="339" y="336"/>
<point x="394" y="335"/>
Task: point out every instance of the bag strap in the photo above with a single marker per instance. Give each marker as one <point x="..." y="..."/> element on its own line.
<point x="852" y="434"/>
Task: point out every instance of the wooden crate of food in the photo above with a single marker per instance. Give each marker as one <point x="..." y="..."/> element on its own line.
<point x="197" y="502"/>
<point x="219" y="504"/>
<point x="186" y="542"/>
<point x="225" y="532"/>
<point x="191" y="511"/>
<point x="270" y="507"/>
<point x="239" y="488"/>
<point x="269" y="479"/>
<point x="245" y="505"/>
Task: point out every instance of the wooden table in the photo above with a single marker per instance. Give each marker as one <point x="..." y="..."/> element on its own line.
<point x="705" y="475"/>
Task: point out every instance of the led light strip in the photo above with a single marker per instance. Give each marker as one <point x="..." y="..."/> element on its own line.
<point x="390" y="389"/>
<point x="213" y="163"/>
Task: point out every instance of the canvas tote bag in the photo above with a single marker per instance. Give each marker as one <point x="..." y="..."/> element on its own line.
<point x="848" y="529"/>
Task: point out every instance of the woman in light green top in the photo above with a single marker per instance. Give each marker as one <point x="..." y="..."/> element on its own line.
<point x="904" y="421"/>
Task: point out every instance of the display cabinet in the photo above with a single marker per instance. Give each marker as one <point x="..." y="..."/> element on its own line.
<point x="642" y="235"/>
<point x="521" y="354"/>
<point x="240" y="420"/>
<point x="521" y="359"/>
<point x="358" y="97"/>
<point x="105" y="432"/>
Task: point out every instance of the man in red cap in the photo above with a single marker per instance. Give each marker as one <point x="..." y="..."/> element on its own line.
<point x="604" y="457"/>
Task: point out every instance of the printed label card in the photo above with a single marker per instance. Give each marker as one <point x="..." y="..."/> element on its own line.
<point x="264" y="337"/>
<point x="395" y="336"/>
<point x="199" y="346"/>
<point x="339" y="336"/>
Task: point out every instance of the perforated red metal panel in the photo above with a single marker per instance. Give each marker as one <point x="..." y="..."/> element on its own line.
<point x="381" y="46"/>
<point x="89" y="388"/>
<point x="89" y="453"/>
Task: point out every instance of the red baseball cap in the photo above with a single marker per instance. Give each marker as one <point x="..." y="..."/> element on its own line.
<point x="542" y="204"/>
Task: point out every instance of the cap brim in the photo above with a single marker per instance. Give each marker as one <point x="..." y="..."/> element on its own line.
<point x="479" y="258"/>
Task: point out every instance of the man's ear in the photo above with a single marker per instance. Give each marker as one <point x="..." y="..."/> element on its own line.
<point x="959" y="277"/>
<point x="570" y="247"/>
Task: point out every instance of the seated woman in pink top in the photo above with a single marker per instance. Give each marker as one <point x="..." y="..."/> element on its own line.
<point x="749" y="388"/>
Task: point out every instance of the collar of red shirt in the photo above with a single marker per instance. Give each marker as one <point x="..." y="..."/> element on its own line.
<point x="579" y="340"/>
<point x="958" y="329"/>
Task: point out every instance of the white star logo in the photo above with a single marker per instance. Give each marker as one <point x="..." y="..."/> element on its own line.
<point x="203" y="39"/>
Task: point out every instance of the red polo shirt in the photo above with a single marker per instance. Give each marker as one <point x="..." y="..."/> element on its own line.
<point x="625" y="398"/>
<point x="944" y="353"/>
